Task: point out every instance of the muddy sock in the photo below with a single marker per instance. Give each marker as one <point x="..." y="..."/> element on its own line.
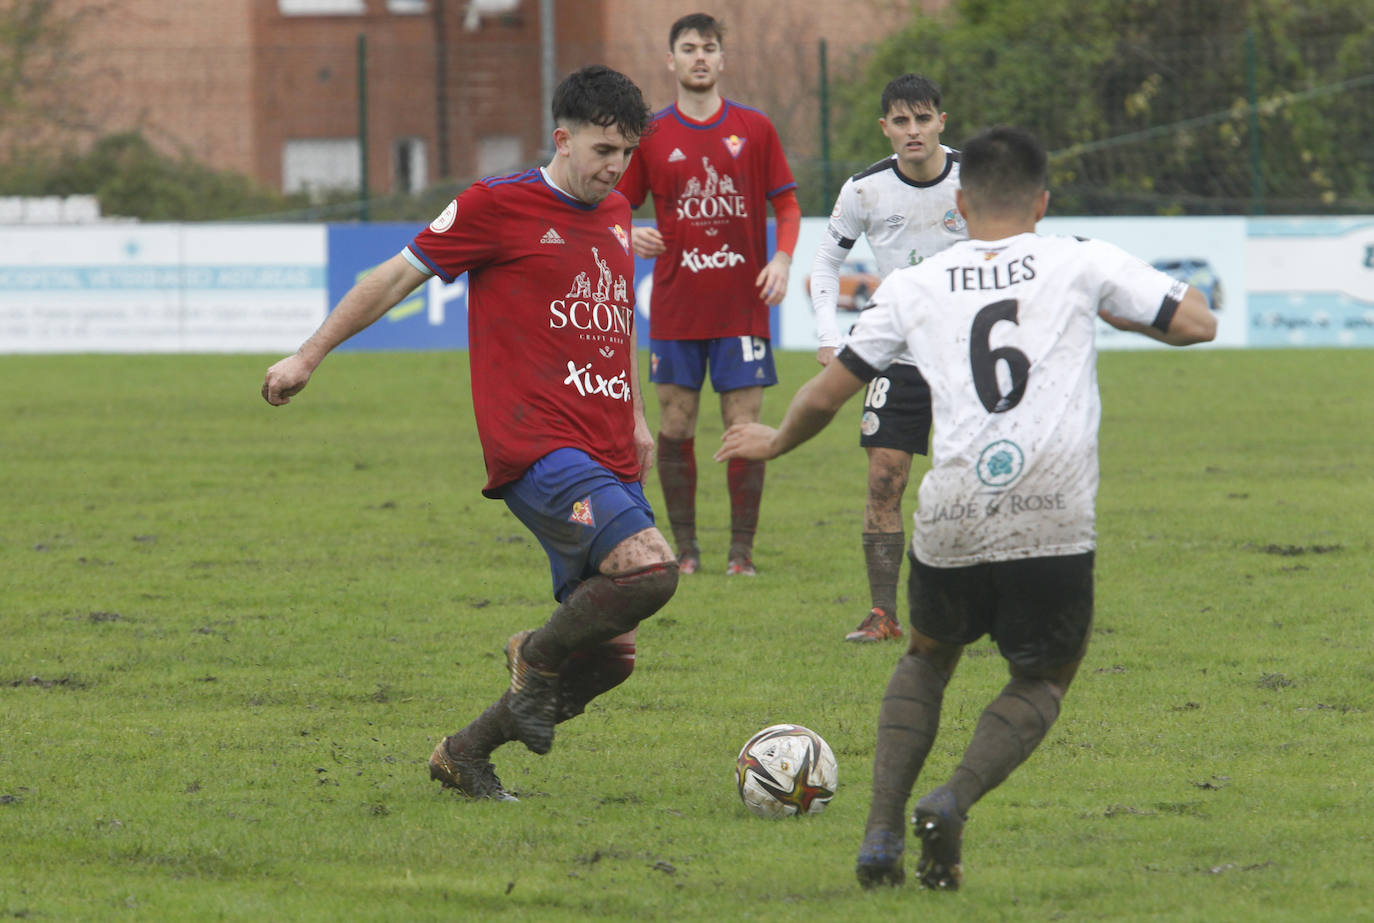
<point x="487" y="731"/>
<point x="677" y="473"/>
<point x="907" y="722"/>
<point x="883" y="552"/>
<point x="1008" y="731"/>
<point x="745" y="480"/>
<point x="589" y="673"/>
<point x="598" y="610"/>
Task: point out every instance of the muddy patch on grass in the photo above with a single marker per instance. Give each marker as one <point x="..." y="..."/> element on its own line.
<point x="1292" y="551"/>
<point x="49" y="682"/>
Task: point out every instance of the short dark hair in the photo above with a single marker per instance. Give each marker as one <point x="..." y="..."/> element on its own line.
<point x="704" y="24"/>
<point x="597" y="95"/>
<point x="912" y="89"/>
<point x="1003" y="169"/>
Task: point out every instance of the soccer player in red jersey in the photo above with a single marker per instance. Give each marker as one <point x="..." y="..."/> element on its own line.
<point x="711" y="165"/>
<point x="557" y="401"/>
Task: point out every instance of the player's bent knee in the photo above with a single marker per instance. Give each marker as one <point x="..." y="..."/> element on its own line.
<point x="640" y="593"/>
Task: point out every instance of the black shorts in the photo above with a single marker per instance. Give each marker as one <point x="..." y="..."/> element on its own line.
<point x="1038" y="610"/>
<point x="896" y="411"/>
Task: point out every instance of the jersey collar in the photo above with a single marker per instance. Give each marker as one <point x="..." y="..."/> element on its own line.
<point x="949" y="165"/>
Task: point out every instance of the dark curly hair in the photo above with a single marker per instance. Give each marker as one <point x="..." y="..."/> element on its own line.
<point x="597" y="95"/>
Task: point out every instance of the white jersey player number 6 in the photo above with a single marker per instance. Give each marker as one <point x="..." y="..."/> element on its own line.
<point x="983" y="359"/>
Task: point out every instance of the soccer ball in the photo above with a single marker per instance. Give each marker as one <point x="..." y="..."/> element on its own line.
<point x="786" y="770"/>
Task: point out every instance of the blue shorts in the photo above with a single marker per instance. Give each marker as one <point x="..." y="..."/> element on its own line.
<point x="579" y="511"/>
<point x="736" y="362"/>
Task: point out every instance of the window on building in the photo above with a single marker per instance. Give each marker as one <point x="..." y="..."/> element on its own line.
<point x="322" y="7"/>
<point x="411" y="165"/>
<point x="318" y="165"/>
<point x="497" y="154"/>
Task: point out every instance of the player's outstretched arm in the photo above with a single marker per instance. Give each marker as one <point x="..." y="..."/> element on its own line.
<point x="373" y="295"/>
<point x="1192" y="322"/>
<point x="813" y="407"/>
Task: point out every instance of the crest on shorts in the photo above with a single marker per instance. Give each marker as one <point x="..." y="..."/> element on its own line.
<point x="582" y="512"/>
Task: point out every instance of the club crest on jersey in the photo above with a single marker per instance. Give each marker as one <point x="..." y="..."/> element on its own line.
<point x="582" y="512"/>
<point x="954" y="222"/>
<point x="621" y="236"/>
<point x="734" y="144"/>
<point x="1000" y="463"/>
<point x="446" y="217"/>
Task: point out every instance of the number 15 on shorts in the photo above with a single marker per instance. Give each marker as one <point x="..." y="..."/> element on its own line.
<point x="753" y="348"/>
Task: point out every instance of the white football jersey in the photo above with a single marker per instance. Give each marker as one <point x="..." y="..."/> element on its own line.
<point x="904" y="221"/>
<point x="1004" y="333"/>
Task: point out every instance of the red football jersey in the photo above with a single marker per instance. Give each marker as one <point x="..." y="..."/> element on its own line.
<point x="711" y="183"/>
<point x="550" y="320"/>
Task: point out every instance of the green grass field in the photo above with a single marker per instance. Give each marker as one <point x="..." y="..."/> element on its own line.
<point x="232" y="635"/>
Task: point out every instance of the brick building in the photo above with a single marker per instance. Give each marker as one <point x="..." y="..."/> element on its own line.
<point x="270" y="88"/>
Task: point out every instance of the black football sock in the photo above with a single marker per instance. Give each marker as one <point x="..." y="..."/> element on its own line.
<point x="907" y="723"/>
<point x="1008" y="731"/>
<point x="883" y="552"/>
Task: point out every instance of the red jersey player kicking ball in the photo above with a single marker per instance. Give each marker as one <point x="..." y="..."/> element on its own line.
<point x="556" y="396"/>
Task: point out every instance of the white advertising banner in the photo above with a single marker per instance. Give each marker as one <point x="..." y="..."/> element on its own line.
<point x="1311" y="281"/>
<point x="1208" y="252"/>
<point x="160" y="288"/>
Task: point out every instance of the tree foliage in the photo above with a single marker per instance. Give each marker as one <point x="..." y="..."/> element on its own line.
<point x="132" y="179"/>
<point x="1148" y="105"/>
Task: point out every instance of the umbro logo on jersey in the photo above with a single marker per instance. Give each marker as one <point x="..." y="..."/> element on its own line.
<point x="895" y="220"/>
<point x="676" y="155"/>
<point x="551" y="237"/>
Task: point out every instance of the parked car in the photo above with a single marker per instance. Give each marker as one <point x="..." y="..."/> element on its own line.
<point x="857" y="282"/>
<point x="1199" y="274"/>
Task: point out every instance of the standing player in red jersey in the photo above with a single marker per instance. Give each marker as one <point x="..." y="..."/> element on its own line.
<point x="711" y="165"/>
<point x="551" y="335"/>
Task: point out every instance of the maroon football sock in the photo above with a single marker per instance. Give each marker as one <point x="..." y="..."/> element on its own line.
<point x="677" y="472"/>
<point x="590" y="673"/>
<point x="745" y="479"/>
<point x="598" y="610"/>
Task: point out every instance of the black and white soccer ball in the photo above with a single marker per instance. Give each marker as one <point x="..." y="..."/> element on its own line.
<point x="786" y="770"/>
